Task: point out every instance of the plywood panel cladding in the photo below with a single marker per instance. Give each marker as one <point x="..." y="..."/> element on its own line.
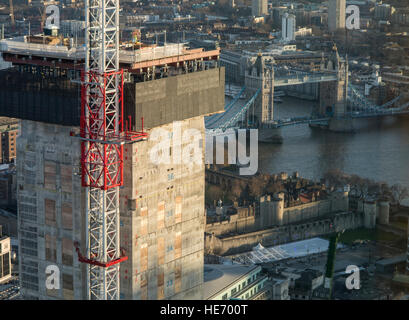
<point x="161" y="280"/>
<point x="144" y="287"/>
<point x="178" y="245"/>
<point x="66" y="178"/>
<point x="178" y="209"/>
<point x="49" y="206"/>
<point x="144" y="222"/>
<point x="50" y="170"/>
<point x="161" y="250"/>
<point x="67" y="251"/>
<point x="144" y="257"/>
<point x="178" y="278"/>
<point x="66" y="213"/>
<point x="161" y="215"/>
<point x="50" y="248"/>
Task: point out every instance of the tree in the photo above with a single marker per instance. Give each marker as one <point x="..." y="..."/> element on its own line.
<point x="399" y="193"/>
<point x="214" y="193"/>
<point x="334" y="177"/>
<point x="237" y="190"/>
<point x="274" y="187"/>
<point x="257" y="186"/>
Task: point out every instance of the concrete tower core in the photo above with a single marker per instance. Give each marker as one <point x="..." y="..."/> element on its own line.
<point x="336" y="15"/>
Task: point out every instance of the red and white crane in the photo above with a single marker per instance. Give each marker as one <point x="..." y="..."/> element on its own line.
<point x="103" y="136"/>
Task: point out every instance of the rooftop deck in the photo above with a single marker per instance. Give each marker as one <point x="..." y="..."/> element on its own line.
<point x="20" y="51"/>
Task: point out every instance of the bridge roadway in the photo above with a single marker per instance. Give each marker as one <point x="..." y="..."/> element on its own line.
<point x="303" y="78"/>
<point x="361" y="107"/>
<point x="230" y="110"/>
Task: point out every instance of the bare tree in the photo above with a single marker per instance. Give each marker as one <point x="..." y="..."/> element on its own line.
<point x="399" y="193"/>
<point x="237" y="189"/>
<point x="257" y="186"/>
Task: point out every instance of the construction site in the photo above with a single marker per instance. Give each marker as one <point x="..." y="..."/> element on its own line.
<point x="90" y="200"/>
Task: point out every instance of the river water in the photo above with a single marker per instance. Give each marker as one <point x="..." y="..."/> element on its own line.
<point x="379" y="150"/>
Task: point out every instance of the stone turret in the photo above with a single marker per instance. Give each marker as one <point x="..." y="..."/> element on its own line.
<point x="266" y="211"/>
<point x="333" y="94"/>
<point x="259" y="75"/>
<point x="369" y="213"/>
<point x="383" y="211"/>
<point x="278" y="202"/>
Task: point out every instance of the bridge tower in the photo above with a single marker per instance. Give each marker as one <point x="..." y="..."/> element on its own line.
<point x="260" y="75"/>
<point x="333" y="95"/>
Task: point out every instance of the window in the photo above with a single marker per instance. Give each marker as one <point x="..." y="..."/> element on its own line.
<point x="233" y="291"/>
<point x="6" y="265"/>
<point x="224" y="297"/>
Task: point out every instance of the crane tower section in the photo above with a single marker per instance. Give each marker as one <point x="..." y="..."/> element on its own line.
<point x="103" y="136"/>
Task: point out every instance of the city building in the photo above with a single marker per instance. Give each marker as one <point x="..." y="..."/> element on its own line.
<point x="336" y="15"/>
<point x="259" y="8"/>
<point x="384" y="11"/>
<point x="8" y="134"/>
<point x="5" y="257"/>
<point x="288" y="28"/>
<point x="226" y="282"/>
<point x="8" y="185"/>
<point x="162" y="215"/>
<point x="305" y="285"/>
<point x="72" y="28"/>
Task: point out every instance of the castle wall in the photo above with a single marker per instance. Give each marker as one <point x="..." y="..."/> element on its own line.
<point x="277" y="235"/>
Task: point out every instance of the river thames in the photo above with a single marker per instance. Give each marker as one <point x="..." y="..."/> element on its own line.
<point x="379" y="149"/>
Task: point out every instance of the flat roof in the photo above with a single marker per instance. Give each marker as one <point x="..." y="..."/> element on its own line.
<point x="16" y="50"/>
<point x="392" y="260"/>
<point x="218" y="277"/>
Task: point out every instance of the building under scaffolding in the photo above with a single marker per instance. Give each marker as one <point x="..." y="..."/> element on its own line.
<point x="161" y="206"/>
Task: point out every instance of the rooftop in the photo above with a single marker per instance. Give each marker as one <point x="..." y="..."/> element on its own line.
<point x="54" y="52"/>
<point x="218" y="277"/>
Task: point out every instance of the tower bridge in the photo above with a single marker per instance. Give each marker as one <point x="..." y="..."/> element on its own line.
<point x="340" y="101"/>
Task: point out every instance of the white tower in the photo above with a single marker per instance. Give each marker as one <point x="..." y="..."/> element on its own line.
<point x="288" y="27"/>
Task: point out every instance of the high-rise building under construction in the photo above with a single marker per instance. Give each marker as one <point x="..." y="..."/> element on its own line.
<point x="162" y="213"/>
<point x="336" y="15"/>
